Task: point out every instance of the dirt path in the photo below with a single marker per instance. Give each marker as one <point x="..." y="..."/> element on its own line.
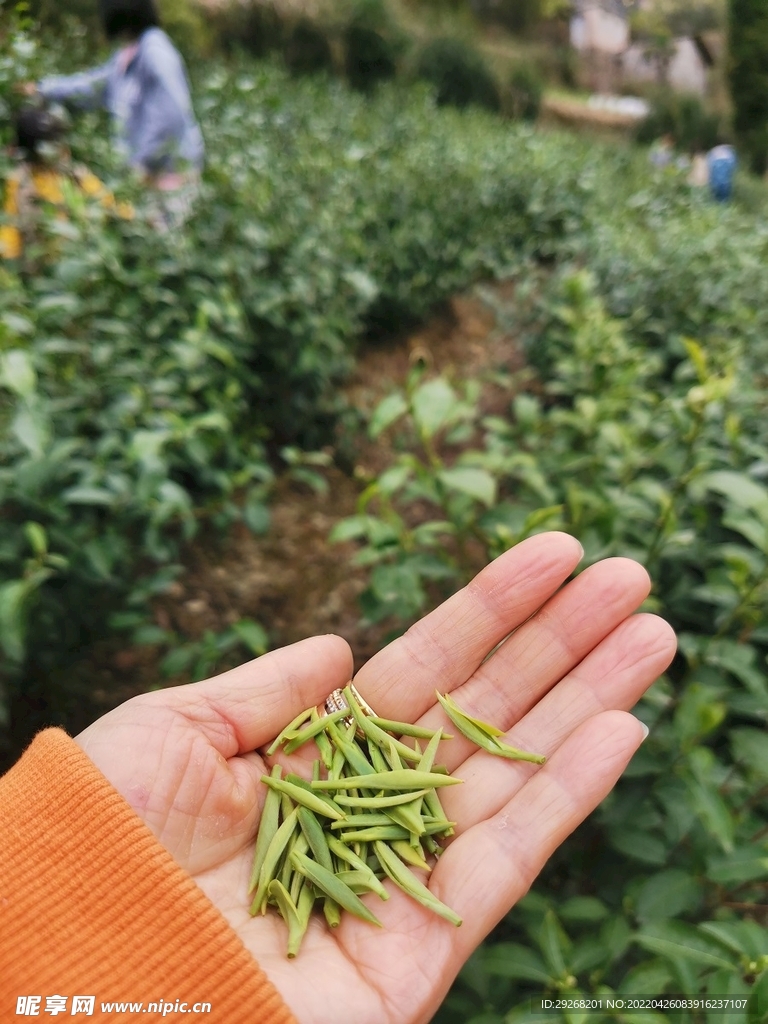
<point x="291" y="580"/>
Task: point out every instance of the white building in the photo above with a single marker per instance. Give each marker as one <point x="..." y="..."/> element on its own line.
<point x="601" y="26"/>
<point x="600" y="30"/>
<point x="686" y="72"/>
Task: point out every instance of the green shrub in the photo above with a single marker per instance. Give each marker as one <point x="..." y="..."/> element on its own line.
<point x="373" y="14"/>
<point x="432" y="5"/>
<point x="125" y="422"/>
<point x="748" y="78"/>
<point x="459" y="74"/>
<point x="684" y="117"/>
<point x="156" y="369"/>
<point x="658" y="891"/>
<point x="698" y="129"/>
<point x="19" y="62"/>
<point x="661" y="120"/>
<point x="516" y="15"/>
<point x="185" y="23"/>
<point x="373" y="44"/>
<point x="183" y="20"/>
<point x="307" y="50"/>
<point x="559" y="64"/>
<point x="369" y="58"/>
<point x="54" y="16"/>
<point x="251" y="27"/>
<point x="525" y="92"/>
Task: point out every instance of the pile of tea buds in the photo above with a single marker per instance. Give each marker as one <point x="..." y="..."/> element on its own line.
<point x="371" y="811"/>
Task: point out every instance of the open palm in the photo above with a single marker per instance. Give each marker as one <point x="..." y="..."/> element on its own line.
<point x="568" y="663"/>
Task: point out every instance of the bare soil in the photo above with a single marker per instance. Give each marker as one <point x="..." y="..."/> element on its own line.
<point x="291" y="580"/>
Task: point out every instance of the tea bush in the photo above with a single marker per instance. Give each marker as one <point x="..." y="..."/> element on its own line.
<point x="644" y="433"/>
<point x="54" y="16"/>
<point x="369" y="57"/>
<point x="185" y="21"/>
<point x="459" y="74"/>
<point x="307" y="49"/>
<point x="251" y="27"/>
<point x="748" y="34"/>
<point x="373" y="43"/>
<point x="166" y="367"/>
<point x="126" y="421"/>
<point x="694" y="128"/>
<point x="660" y="890"/>
<point x="516" y="15"/>
<point x="525" y="92"/>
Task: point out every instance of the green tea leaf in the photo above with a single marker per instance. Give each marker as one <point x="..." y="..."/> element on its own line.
<point x="88" y="496"/>
<point x="477" y="483"/>
<point x="555" y="944"/>
<point x="740" y="488"/>
<point x="13" y="598"/>
<point x="583" y="908"/>
<point x="254" y="636"/>
<point x="639" y="845"/>
<point x="676" y="939"/>
<point x="750" y="748"/>
<point x="654" y="976"/>
<point x="667" y="894"/>
<point x="743" y="864"/>
<point x="586" y="955"/>
<point x="37" y="538"/>
<point x="31" y="430"/>
<point x="746" y="937"/>
<point x="386" y="413"/>
<point x="714" y="813"/>
<point x="17" y="372"/>
<point x="456" y="714"/>
<point x="433" y="405"/>
<point x="511" y="960"/>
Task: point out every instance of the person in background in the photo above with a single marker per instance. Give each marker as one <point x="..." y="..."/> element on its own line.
<point x="662" y="152"/>
<point x="46" y="181"/>
<point x="699" y="173"/>
<point x="145" y="89"/>
<point x="721" y="163"/>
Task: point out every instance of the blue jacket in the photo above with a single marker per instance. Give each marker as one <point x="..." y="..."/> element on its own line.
<point x="721" y="162"/>
<point x="149" y="102"/>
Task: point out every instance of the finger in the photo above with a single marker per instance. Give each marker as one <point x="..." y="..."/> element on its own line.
<point x="247" y="707"/>
<point x="550" y="644"/>
<point x="613" y="677"/>
<point x="546" y="648"/>
<point x="565" y="630"/>
<point x="445" y="647"/>
<point x="490" y="867"/>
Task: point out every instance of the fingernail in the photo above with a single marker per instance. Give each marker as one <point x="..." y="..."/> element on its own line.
<point x="646" y="730"/>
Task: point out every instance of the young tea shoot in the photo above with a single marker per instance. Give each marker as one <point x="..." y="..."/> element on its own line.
<point x="369" y="813"/>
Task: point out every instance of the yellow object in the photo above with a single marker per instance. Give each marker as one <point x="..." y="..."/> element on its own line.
<point x="49" y="186"/>
<point x="10" y="236"/>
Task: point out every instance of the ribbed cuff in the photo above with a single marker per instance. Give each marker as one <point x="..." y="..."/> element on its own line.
<point x="92" y="905"/>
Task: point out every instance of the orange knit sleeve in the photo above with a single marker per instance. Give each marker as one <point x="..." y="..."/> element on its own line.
<point x="91" y="905"/>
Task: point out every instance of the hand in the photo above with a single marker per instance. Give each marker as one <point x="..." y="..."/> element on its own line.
<point x="26" y="88"/>
<point x="188" y="761"/>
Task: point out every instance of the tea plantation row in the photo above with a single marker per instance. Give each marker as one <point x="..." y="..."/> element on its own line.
<point x="148" y="381"/>
<point x="662" y="890"/>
